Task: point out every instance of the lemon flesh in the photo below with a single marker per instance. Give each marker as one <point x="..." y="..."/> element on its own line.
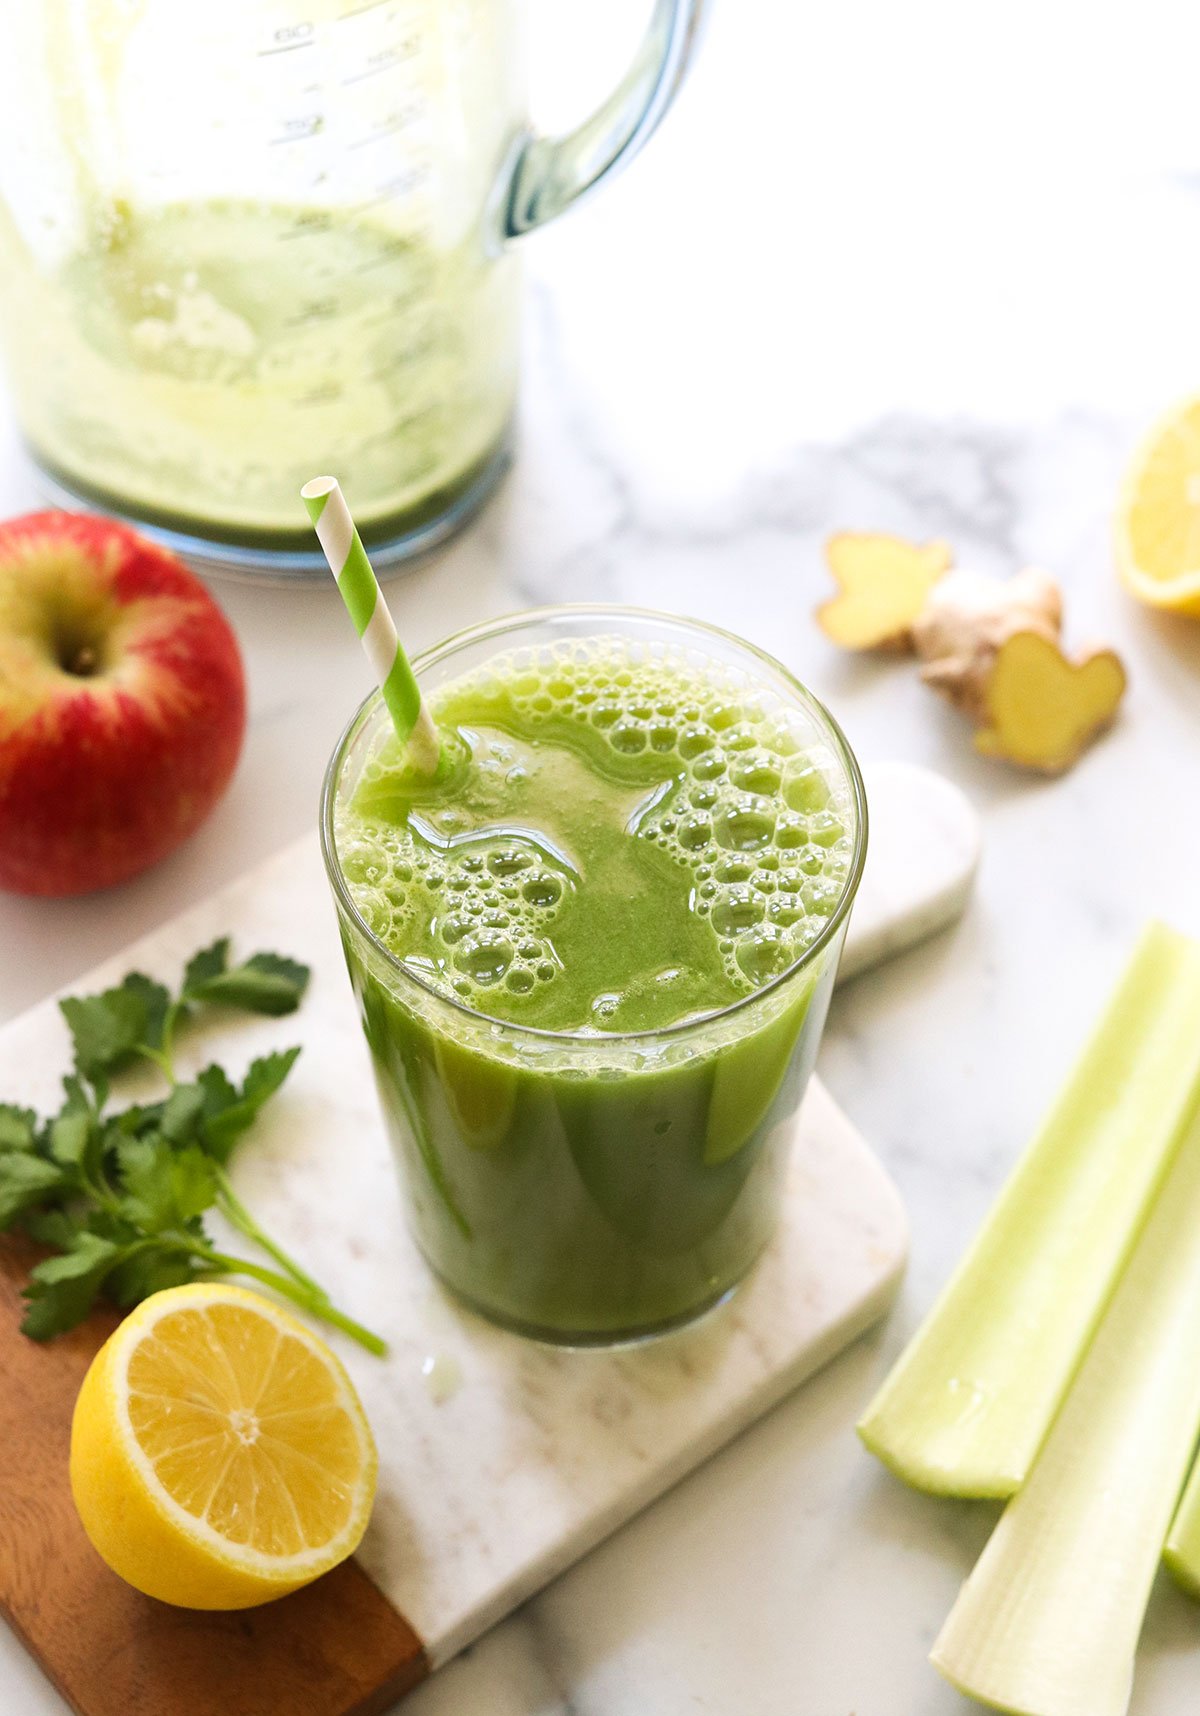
<point x="1158" y="524"/>
<point x="219" y="1454"/>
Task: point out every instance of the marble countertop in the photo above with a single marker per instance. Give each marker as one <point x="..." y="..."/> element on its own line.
<point x="885" y="267"/>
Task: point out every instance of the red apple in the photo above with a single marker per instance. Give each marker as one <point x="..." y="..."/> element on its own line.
<point x="122" y="703"/>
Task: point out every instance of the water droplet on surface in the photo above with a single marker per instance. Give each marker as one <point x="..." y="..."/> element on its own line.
<point x="443" y="1376"/>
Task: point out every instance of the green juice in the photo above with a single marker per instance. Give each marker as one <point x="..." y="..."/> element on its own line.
<point x="580" y="983"/>
<point x="194" y="364"/>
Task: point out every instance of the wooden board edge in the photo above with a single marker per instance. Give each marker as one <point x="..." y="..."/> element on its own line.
<point x="337" y="1648"/>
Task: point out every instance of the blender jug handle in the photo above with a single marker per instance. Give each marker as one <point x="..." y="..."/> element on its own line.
<point x="551" y="172"/>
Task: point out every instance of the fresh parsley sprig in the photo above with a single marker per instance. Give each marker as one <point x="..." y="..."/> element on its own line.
<point x="120" y="1196"/>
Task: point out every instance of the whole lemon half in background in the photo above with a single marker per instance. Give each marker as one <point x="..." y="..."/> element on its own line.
<point x="220" y="1456"/>
<point x="1158" y="521"/>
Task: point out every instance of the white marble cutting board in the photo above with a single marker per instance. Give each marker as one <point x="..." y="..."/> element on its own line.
<point x="501" y="1460"/>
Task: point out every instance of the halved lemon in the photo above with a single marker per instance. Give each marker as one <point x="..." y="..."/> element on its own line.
<point x="1158" y="522"/>
<point x="219" y="1454"/>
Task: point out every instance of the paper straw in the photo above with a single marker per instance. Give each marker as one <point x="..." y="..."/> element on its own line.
<point x="374" y="624"/>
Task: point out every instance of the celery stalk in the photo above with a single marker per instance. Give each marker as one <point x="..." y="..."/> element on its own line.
<point x="1048" y="1622"/>
<point x="1182" y="1554"/>
<point x="968" y="1403"/>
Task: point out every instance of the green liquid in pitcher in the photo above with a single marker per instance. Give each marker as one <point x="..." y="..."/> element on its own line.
<point x="615" y="846"/>
<point x="197" y="363"/>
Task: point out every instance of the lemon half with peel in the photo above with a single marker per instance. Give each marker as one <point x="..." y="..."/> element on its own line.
<point x="220" y="1456"/>
<point x="1158" y="521"/>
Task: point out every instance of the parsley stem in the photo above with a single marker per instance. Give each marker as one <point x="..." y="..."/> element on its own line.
<point x="163" y="1056"/>
<point x="167" y="1048"/>
<point x="237" y="1213"/>
<point x="316" y="1303"/>
<point x="161" y="1061"/>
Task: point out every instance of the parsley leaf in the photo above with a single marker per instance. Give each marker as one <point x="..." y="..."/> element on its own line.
<point x="107" y="1028"/>
<point x="26" y="1181"/>
<point x="181" y="1113"/>
<point x="219" y="1092"/>
<point x="18" y="1127"/>
<point x="77" y="1092"/>
<point x="63" y="1289"/>
<point x="120" y="1196"/>
<point x="70" y="1133"/>
<point x="210" y="962"/>
<point x="147" y="1270"/>
<point x="164" y="1188"/>
<point x="157" y="1002"/>
<point x="51" y="1227"/>
<point x="229" y="1112"/>
<point x="264" y="983"/>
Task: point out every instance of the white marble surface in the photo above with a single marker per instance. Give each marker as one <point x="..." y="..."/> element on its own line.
<point x="930" y="268"/>
<point x="923" y="855"/>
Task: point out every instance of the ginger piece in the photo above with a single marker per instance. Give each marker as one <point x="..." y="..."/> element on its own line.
<point x="1043" y="710"/>
<point x="965" y="621"/>
<point x="991" y="646"/>
<point x="884" y="584"/>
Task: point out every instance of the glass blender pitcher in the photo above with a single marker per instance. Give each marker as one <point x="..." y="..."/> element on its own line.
<point x="250" y="240"/>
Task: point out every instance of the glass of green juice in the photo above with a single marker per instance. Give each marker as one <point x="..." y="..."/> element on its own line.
<point x="594" y="955"/>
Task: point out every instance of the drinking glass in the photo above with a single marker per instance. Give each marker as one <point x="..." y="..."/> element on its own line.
<point x="577" y="1187"/>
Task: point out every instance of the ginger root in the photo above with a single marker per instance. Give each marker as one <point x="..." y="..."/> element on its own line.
<point x="991" y="646"/>
<point x="967" y="618"/>
<point x="1043" y="710"/>
<point x="884" y="584"/>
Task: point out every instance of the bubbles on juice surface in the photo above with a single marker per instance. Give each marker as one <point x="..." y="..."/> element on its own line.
<point x="475" y="919"/>
<point x="753" y="809"/>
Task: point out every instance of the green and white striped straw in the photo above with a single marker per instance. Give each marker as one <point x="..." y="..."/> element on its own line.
<point x="374" y="624"/>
